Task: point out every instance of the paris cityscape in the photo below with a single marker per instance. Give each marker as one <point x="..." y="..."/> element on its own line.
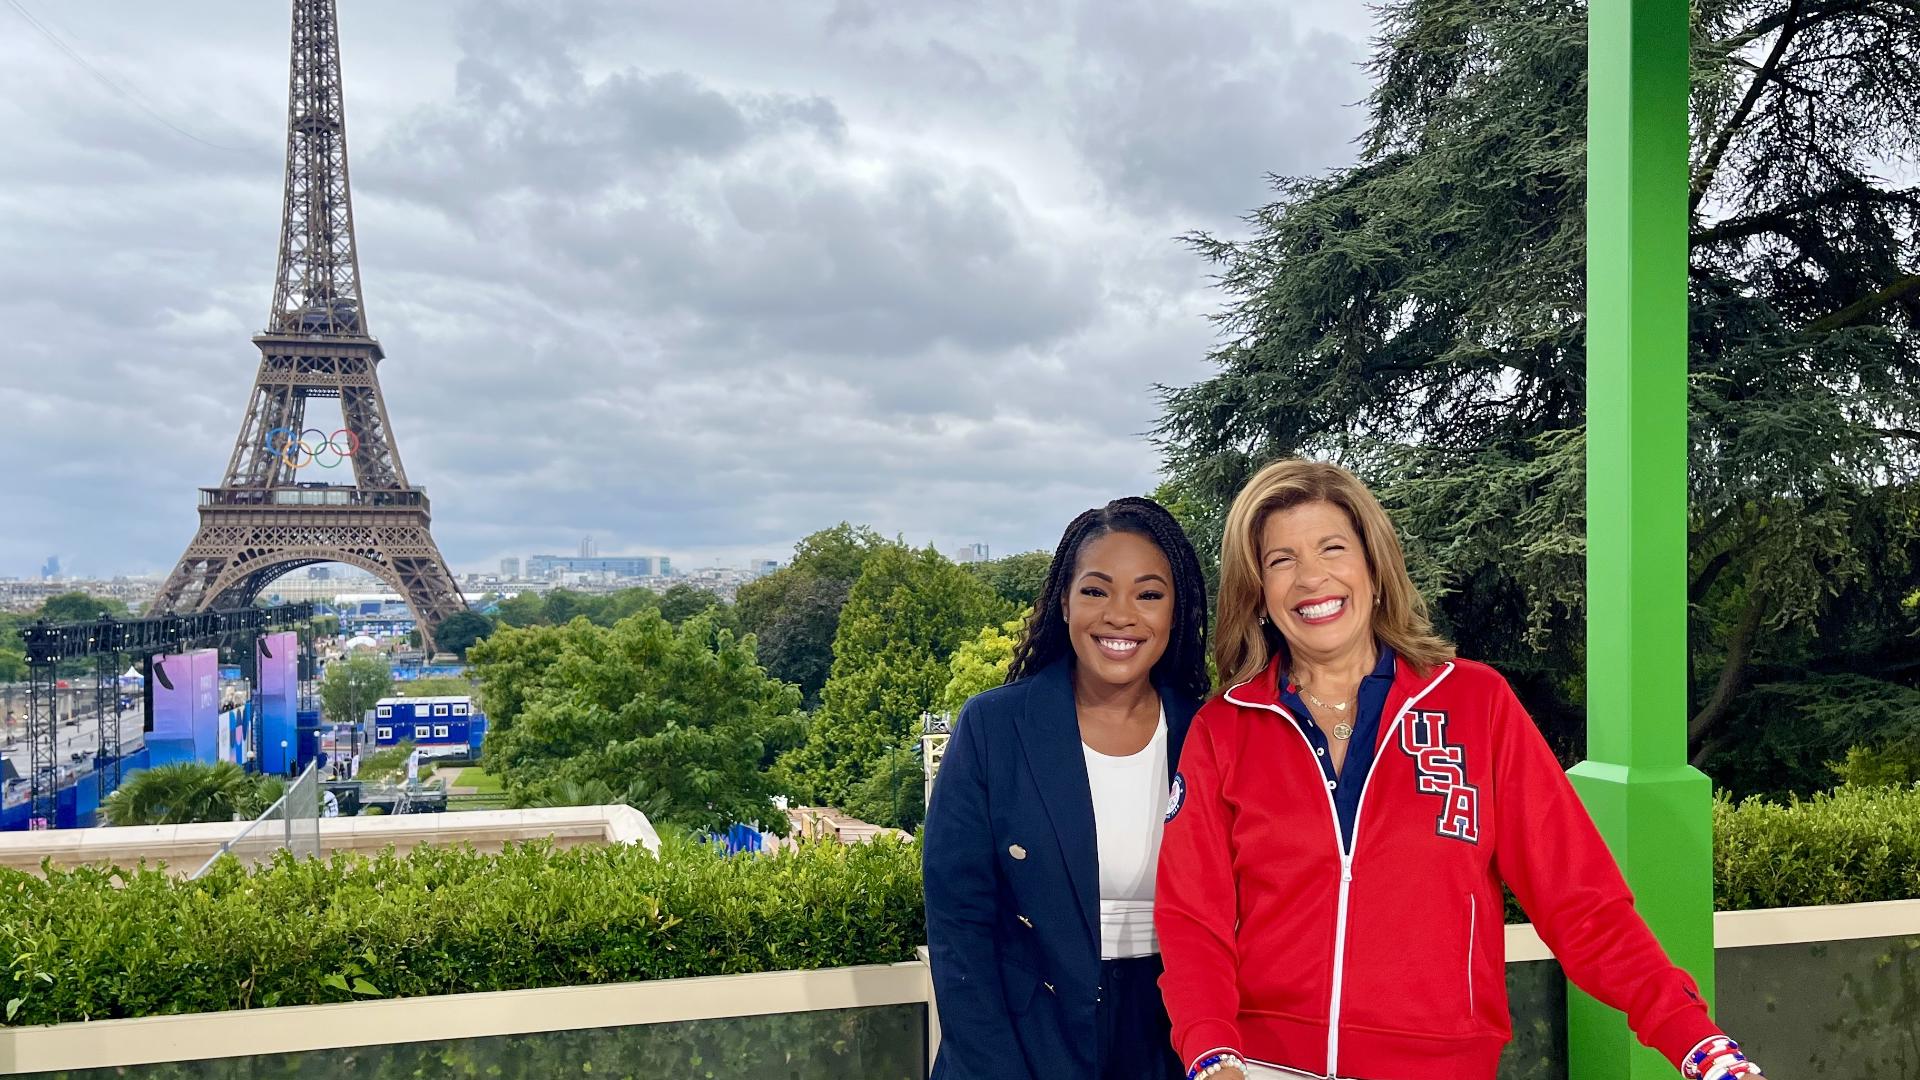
<point x="515" y="502"/>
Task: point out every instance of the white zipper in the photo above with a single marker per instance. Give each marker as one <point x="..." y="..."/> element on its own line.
<point x="1340" y="845"/>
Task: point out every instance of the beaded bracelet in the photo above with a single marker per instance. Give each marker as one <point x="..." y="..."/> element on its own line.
<point x="1215" y="1064"/>
<point x="1718" y="1058"/>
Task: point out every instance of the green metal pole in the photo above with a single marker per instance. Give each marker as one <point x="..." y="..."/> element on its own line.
<point x="1654" y="809"/>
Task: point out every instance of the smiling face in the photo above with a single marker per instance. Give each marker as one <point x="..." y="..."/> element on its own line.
<point x="1318" y="589"/>
<point x="1119" y="610"/>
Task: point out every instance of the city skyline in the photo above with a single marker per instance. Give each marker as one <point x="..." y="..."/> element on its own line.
<point x="714" y="282"/>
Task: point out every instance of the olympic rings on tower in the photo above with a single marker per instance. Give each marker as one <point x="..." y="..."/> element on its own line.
<point x="297" y="451"/>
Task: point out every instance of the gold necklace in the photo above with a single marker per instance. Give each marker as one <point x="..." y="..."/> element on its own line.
<point x="1341" y="730"/>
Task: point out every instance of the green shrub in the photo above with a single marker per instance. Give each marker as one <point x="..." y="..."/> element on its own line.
<point x="1846" y="846"/>
<point x="98" y="944"/>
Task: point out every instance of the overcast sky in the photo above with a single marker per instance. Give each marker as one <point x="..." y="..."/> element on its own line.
<point x="693" y="279"/>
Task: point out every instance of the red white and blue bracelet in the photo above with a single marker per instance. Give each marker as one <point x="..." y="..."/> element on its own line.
<point x="1717" y="1058"/>
<point x="1214" y="1064"/>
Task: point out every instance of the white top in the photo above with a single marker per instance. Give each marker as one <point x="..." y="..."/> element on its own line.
<point x="1129" y="804"/>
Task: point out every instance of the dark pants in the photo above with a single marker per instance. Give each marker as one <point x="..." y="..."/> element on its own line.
<point x="1136" y="1038"/>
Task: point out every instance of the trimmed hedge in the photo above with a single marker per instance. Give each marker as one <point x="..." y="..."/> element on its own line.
<point x="96" y="944"/>
<point x="1847" y="846"/>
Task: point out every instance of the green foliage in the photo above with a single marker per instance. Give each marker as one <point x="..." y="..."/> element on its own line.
<point x="1794" y="732"/>
<point x="981" y="664"/>
<point x="460" y="630"/>
<point x="79" y="607"/>
<point x="893" y="792"/>
<point x="1895" y="766"/>
<point x="98" y="944"/>
<point x="1848" y="846"/>
<point x="434" y="686"/>
<point x="13" y="665"/>
<point x="350" y="687"/>
<point x="840" y="552"/>
<point x="559" y="607"/>
<point x="183" y="793"/>
<point x="387" y="765"/>
<point x="902" y="623"/>
<point x="1017" y="579"/>
<point x="682" y="602"/>
<point x="679" y="721"/>
<point x="794" y="612"/>
<point x="1420" y="316"/>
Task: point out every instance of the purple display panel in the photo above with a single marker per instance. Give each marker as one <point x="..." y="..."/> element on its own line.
<point x="206" y="705"/>
<point x="171" y="691"/>
<point x="279" y="699"/>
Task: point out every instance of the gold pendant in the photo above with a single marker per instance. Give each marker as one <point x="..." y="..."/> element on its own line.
<point x="1343" y="732"/>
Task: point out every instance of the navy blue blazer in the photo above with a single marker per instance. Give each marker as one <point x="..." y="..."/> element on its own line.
<point x="1011" y="864"/>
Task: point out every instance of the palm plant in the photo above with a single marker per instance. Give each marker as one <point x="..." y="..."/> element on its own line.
<point x="188" y="792"/>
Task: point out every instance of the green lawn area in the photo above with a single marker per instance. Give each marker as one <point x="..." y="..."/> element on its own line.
<point x="479" y="780"/>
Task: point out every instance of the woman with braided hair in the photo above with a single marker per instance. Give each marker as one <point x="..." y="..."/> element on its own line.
<point x="1043" y="835"/>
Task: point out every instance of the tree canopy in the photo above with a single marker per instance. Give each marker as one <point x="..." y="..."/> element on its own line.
<point x="1017" y="579"/>
<point x="1420" y="317"/>
<point x="681" y="722"/>
<point x="350" y="686"/>
<point x="794" y="612"/>
<point x="903" y="620"/>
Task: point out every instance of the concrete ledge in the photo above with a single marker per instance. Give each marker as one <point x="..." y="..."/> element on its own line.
<point x="1769" y="926"/>
<point x="150" y="1040"/>
<point x="183" y="848"/>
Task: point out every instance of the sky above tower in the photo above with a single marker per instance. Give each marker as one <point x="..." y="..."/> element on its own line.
<point x="691" y="279"/>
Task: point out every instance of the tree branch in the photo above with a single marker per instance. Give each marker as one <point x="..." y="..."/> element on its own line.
<point x="1857" y="311"/>
<point x="1732" y="675"/>
<point x="1739" y="119"/>
<point x="1778" y="218"/>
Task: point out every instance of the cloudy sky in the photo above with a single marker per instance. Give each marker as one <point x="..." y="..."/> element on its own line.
<point x="693" y="279"/>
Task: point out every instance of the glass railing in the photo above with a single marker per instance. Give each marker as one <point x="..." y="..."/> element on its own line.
<point x="886" y="1042"/>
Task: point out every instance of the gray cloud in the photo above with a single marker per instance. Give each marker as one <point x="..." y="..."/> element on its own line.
<point x="693" y="280"/>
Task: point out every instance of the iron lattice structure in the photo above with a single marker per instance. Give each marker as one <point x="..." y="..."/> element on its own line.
<point x="108" y="643"/>
<point x="267" y="516"/>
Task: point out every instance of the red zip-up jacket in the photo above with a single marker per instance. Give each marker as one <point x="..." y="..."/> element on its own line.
<point x="1389" y="963"/>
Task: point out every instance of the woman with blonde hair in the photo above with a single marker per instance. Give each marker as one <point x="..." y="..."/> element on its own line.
<point x="1329" y="899"/>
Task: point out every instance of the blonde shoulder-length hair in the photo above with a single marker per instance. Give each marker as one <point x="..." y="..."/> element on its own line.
<point x="1242" y="646"/>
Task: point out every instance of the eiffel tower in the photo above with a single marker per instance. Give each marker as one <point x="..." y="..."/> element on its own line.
<point x="271" y="513"/>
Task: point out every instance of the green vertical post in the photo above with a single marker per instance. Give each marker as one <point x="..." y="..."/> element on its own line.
<point x="1654" y="809"/>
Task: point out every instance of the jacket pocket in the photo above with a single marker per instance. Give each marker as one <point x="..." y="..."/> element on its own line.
<point x="1473" y="933"/>
<point x="1020" y="984"/>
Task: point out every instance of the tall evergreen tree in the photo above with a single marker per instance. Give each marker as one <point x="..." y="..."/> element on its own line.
<point x="1420" y="316"/>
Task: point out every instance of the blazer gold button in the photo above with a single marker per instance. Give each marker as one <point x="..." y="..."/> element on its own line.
<point x="1017" y="851"/>
<point x="1024" y="921"/>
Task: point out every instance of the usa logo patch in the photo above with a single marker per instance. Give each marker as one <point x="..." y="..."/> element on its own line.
<point x="1176" y="798"/>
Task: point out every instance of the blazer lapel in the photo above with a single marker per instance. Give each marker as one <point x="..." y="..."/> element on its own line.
<point x="1050" y="734"/>
<point x="1180" y="710"/>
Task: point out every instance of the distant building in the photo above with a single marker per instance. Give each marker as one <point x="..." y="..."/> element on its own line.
<point x="319" y="573"/>
<point x="50" y="569"/>
<point x="758" y="568"/>
<point x="972" y="553"/>
<point x="630" y="566"/>
<point x="589" y="547"/>
<point x="663" y="567"/>
<point x="510" y="569"/>
<point x="428" y="722"/>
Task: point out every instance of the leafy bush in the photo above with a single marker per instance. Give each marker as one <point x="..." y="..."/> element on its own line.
<point x="1846" y="846"/>
<point x="182" y="793"/>
<point x="98" y="944"/>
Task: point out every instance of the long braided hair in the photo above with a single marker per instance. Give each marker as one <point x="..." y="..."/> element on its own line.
<point x="1184" y="665"/>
